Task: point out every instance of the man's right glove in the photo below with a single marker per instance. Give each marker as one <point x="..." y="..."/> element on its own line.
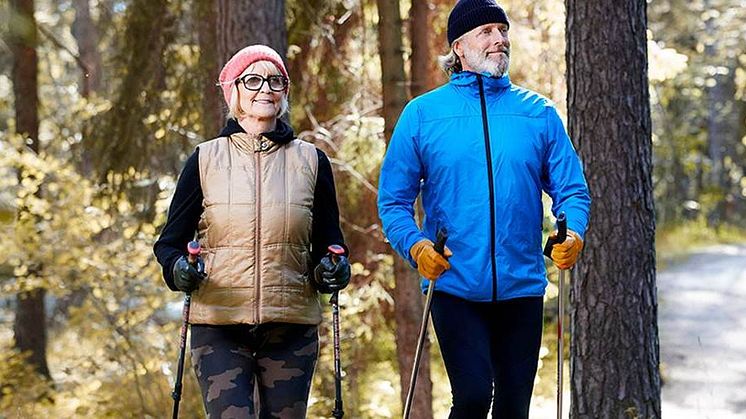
<point x="430" y="263"/>
<point x="330" y="277"/>
<point x="565" y="254"/>
<point x="188" y="277"/>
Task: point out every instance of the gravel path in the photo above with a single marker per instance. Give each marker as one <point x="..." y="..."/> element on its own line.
<point x="702" y="323"/>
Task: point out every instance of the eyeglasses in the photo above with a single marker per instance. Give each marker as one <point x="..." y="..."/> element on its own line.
<point x="276" y="83"/>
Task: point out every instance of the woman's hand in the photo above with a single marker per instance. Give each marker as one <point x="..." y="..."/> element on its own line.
<point x="332" y="274"/>
<point x="188" y="277"/>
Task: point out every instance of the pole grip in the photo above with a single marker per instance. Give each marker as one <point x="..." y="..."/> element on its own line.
<point x="440" y="240"/>
<point x="335" y="251"/>
<point x="193" y="249"/>
<point x="561" y="235"/>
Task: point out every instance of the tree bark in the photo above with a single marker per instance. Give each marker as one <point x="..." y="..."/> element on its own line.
<point x="213" y="106"/>
<point x="424" y="70"/>
<point x="392" y="63"/>
<point x="243" y="23"/>
<point x="408" y="304"/>
<point x="30" y="326"/>
<point x="615" y="347"/>
<point x="86" y="35"/>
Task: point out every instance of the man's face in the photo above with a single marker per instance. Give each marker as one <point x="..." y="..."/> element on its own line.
<point x="485" y="49"/>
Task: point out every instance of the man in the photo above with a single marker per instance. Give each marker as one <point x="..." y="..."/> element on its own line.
<point x="481" y="150"/>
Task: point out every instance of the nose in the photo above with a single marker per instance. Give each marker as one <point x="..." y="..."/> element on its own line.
<point x="500" y="38"/>
<point x="264" y="88"/>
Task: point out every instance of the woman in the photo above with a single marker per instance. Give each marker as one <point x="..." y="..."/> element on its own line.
<point x="265" y="209"/>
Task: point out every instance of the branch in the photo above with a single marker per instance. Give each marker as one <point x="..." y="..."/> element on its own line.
<point x="357" y="175"/>
<point x="372" y="230"/>
<point x="49" y="35"/>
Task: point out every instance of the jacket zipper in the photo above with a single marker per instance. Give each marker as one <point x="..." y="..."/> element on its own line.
<point x="257" y="229"/>
<point x="491" y="185"/>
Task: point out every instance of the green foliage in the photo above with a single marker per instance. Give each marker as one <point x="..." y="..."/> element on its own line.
<point x="113" y="354"/>
<point x="675" y="241"/>
<point x="17" y="374"/>
<point x="695" y="52"/>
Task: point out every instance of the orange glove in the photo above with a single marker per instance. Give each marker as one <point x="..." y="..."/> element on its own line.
<point x="430" y="263"/>
<point x="565" y="254"/>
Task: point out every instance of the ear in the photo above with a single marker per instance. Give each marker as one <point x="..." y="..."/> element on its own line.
<point x="458" y="49"/>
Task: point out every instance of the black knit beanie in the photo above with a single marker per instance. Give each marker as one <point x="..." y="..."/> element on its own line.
<point x="469" y="14"/>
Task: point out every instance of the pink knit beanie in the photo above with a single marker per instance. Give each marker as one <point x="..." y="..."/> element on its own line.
<point x="243" y="59"/>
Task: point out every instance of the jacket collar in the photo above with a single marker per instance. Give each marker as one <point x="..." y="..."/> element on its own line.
<point x="468" y="79"/>
<point x="282" y="133"/>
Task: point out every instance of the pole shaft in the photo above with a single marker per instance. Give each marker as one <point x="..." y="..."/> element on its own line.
<point x="560" y="340"/>
<point x="418" y="352"/>
<point x="176" y="394"/>
<point x="338" y="411"/>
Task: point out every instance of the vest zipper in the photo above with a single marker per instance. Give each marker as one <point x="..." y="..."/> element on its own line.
<point x="257" y="230"/>
<point x="491" y="183"/>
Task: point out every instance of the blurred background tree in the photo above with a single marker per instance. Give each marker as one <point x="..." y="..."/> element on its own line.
<point x="126" y="89"/>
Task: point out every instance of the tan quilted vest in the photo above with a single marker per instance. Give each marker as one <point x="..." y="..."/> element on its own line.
<point x="255" y="232"/>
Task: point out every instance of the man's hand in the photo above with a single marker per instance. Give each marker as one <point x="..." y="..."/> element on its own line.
<point x="565" y="254"/>
<point x="430" y="263"/>
<point x="187" y="277"/>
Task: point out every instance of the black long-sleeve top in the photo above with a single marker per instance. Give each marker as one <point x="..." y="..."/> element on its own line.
<point x="186" y="206"/>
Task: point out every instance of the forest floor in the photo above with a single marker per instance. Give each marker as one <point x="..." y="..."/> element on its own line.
<point x="702" y="326"/>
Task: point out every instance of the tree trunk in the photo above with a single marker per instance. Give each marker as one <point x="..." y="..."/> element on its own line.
<point x="408" y="304"/>
<point x="243" y="23"/>
<point x="213" y="106"/>
<point x="392" y="63"/>
<point x="86" y="35"/>
<point x="30" y="326"/>
<point x="424" y="70"/>
<point x="721" y="89"/>
<point x="614" y="348"/>
<point x="408" y="307"/>
<point x="717" y="101"/>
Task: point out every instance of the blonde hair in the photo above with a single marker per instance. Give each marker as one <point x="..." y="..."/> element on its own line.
<point x="234" y="107"/>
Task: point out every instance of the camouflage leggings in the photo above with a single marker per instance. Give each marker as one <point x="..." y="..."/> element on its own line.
<point x="280" y="356"/>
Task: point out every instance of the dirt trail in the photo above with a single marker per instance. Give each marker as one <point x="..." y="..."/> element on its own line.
<point x="702" y="322"/>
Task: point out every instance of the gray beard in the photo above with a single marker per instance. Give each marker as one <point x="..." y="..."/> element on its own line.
<point x="482" y="64"/>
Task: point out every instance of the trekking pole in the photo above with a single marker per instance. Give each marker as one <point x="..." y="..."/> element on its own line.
<point x="194" y="249"/>
<point x="440" y="243"/>
<point x="561" y="236"/>
<point x="338" y="412"/>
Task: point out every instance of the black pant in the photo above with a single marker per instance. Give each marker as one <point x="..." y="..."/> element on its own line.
<point x="486" y="344"/>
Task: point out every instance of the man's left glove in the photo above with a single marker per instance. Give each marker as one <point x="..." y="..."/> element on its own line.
<point x="565" y="254"/>
<point x="329" y="276"/>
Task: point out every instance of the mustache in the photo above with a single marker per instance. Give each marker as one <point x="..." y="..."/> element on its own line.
<point x="505" y="50"/>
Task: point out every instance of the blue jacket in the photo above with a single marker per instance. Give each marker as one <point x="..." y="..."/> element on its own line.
<point x="483" y="183"/>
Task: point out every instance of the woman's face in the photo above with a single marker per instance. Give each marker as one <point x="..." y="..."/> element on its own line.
<point x="258" y="90"/>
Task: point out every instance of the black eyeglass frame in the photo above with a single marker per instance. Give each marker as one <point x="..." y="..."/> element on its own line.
<point x="285" y="82"/>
